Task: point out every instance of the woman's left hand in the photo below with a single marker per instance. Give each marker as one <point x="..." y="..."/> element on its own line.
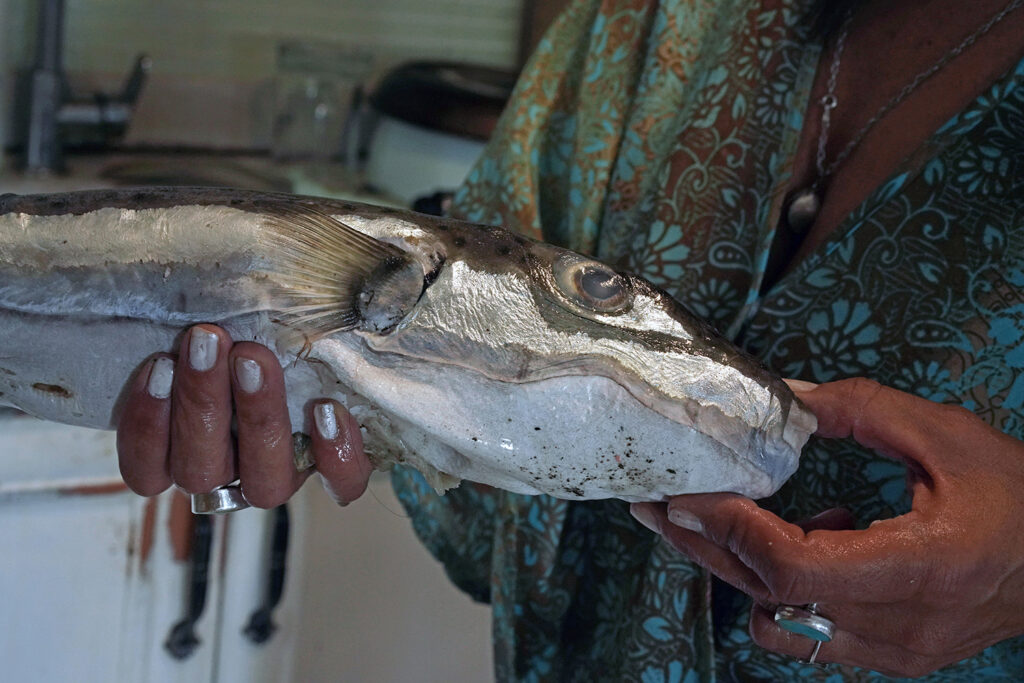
<point x="908" y="595"/>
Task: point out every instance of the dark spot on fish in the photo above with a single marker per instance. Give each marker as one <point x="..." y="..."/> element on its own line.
<point x="504" y="250"/>
<point x="475" y="439"/>
<point x="443" y="227"/>
<point x="139" y="197"/>
<point x="519" y="240"/>
<point x="574" y="490"/>
<point x="670" y="470"/>
<point x="459" y="241"/>
<point x="64" y="242"/>
<point x="348" y="207"/>
<point x="7" y="372"/>
<point x="387" y="210"/>
<point x="536" y="429"/>
<point x="236" y="202"/>
<point x="54" y="389"/>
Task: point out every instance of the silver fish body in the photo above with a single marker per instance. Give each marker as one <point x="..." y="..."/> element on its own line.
<point x="467" y="351"/>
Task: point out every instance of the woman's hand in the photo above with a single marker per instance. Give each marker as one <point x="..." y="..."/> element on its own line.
<point x="175" y="426"/>
<point x="908" y="595"/>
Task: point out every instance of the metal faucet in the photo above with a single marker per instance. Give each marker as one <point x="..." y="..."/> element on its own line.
<point x="55" y="116"/>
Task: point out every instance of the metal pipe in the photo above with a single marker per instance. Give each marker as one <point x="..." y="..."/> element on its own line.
<point x="43" y="150"/>
<point x="49" y="49"/>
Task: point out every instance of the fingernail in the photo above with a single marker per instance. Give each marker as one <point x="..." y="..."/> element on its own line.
<point x="249" y="375"/>
<point x="202" y="350"/>
<point x="800" y="385"/>
<point x="326" y="421"/>
<point x="338" y="500"/>
<point x="643" y="514"/>
<point x="161" y="377"/>
<point x="685" y="519"/>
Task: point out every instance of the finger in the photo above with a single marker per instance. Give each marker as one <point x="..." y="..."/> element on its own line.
<point x="338" y="452"/>
<point x="895" y="424"/>
<point x="143" y="430"/>
<point x="875" y="653"/>
<point x="818" y="566"/>
<point x="266" y="459"/>
<point x="201" y="450"/>
<point x="719" y="561"/>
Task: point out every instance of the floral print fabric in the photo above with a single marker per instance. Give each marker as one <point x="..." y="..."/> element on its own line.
<point x="657" y="135"/>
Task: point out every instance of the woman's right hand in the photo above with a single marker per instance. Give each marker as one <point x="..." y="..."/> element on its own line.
<point x="175" y="426"/>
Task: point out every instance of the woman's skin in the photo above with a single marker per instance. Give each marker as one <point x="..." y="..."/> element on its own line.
<point x="889" y="44"/>
<point x="908" y="595"/>
<point x="184" y="436"/>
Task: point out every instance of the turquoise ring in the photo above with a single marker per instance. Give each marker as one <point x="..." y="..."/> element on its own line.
<point x="805" y="621"/>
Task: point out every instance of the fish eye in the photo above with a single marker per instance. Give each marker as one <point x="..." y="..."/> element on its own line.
<point x="591" y="284"/>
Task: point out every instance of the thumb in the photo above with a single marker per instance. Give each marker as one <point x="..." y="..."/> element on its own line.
<point x="833" y="519"/>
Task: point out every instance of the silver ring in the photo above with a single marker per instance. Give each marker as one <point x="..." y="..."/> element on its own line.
<point x="224" y="499"/>
<point x="814" y="656"/>
<point x="805" y="621"/>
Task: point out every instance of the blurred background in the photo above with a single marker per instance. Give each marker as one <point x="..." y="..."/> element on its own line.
<point x="385" y="101"/>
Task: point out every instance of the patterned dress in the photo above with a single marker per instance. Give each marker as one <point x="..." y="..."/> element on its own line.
<point x="658" y="135"/>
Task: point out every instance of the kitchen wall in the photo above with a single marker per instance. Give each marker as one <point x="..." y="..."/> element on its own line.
<point x="213" y="60"/>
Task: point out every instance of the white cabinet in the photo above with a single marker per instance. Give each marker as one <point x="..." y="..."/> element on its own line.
<point x="93" y="577"/>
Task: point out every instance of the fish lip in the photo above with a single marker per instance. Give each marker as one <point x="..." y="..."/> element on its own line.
<point x="764" y="444"/>
<point x="761" y="448"/>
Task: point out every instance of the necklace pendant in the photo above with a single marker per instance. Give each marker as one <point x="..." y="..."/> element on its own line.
<point x="803" y="210"/>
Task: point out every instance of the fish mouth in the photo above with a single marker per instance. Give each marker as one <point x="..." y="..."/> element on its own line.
<point x="600" y="448"/>
<point x="571" y="433"/>
<point x="782" y="427"/>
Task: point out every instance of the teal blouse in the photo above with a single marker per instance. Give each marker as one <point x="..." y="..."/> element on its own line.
<point x="658" y="135"/>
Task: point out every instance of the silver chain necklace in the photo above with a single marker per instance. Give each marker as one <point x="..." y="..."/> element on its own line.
<point x="806" y="203"/>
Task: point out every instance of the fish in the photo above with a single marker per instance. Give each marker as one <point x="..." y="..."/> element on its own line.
<point x="467" y="351"/>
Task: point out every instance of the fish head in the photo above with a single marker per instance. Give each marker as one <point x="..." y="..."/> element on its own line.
<point x="559" y="374"/>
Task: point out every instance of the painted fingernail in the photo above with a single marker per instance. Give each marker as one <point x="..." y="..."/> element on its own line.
<point x="202" y="350"/>
<point x="249" y="375"/>
<point x="800" y="385"/>
<point x="338" y="500"/>
<point x="161" y="377"/>
<point x="645" y="516"/>
<point x="326" y="421"/>
<point x="685" y="519"/>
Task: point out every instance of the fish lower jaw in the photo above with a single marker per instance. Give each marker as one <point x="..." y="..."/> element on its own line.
<point x="574" y="437"/>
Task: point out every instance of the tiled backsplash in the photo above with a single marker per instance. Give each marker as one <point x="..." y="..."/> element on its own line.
<point x="213" y="60"/>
